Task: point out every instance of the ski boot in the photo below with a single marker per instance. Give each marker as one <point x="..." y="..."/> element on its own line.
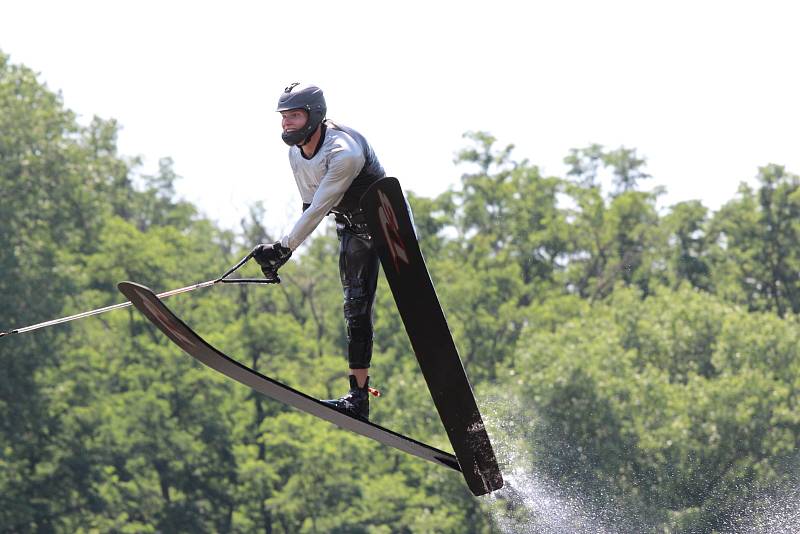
<point x="356" y="402"/>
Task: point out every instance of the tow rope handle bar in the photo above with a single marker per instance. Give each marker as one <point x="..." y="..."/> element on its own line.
<point x="221" y="280"/>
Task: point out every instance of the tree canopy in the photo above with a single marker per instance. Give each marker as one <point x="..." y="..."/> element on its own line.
<point x="652" y="352"/>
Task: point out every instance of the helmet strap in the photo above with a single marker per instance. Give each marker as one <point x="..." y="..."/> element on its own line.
<point x="308" y="138"/>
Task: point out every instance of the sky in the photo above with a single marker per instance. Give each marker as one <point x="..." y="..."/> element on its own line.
<point x="706" y="91"/>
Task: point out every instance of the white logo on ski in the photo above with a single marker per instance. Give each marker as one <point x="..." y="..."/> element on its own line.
<point x="391" y="231"/>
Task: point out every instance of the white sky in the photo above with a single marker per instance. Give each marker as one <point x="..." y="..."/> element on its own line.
<point x="707" y="91"/>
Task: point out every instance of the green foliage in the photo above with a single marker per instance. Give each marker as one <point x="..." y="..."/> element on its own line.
<point x="758" y="248"/>
<point x="616" y="239"/>
<point x="586" y="164"/>
<point x="687" y="248"/>
<point x="660" y="403"/>
<point x="652" y="353"/>
<point x="52" y="210"/>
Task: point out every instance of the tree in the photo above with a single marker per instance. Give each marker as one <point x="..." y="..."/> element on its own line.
<point x="52" y="208"/>
<point x="689" y="244"/>
<point x="586" y="165"/>
<point x="756" y="255"/>
<point x="612" y="241"/>
<point x="666" y="404"/>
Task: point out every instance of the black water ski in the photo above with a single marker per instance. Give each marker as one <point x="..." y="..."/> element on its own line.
<point x="405" y="269"/>
<point x="183" y="336"/>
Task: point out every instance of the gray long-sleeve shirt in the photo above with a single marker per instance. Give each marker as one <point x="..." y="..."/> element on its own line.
<point x="342" y="168"/>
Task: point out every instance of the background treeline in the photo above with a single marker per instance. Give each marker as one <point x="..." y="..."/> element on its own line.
<point x="652" y="353"/>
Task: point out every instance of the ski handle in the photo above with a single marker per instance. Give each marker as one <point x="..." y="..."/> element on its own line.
<point x="221" y="280"/>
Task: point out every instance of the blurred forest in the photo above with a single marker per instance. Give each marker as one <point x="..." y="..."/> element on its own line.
<point x="653" y="352"/>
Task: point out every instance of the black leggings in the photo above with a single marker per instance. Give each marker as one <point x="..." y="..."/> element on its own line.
<point x="358" y="269"/>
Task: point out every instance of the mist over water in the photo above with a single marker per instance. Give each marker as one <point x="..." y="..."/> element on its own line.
<point x="530" y="503"/>
<point x="775" y="514"/>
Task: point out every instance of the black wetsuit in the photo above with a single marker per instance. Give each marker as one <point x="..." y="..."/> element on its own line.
<point x="332" y="180"/>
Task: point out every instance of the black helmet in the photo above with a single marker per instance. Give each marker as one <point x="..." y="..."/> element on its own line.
<point x="309" y="98"/>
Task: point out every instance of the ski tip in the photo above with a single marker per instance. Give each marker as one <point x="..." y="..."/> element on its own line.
<point x="127" y="284"/>
<point x="131" y="289"/>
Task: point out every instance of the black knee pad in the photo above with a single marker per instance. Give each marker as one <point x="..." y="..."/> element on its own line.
<point x="359" y="343"/>
<point x="356" y="304"/>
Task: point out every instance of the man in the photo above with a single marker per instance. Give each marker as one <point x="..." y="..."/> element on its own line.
<point x="333" y="166"/>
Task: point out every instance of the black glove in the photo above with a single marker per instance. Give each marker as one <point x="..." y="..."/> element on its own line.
<point x="271" y="256"/>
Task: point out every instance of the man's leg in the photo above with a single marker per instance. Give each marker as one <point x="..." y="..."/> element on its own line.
<point x="358" y="268"/>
